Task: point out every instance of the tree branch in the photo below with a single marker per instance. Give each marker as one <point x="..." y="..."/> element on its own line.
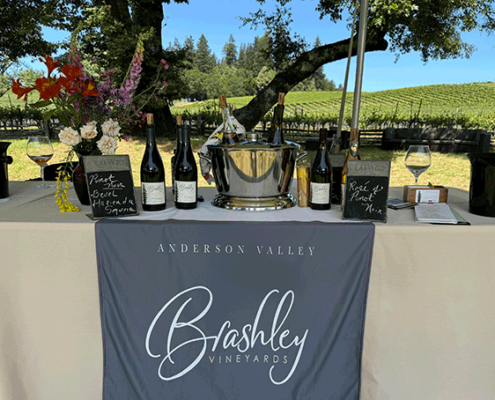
<point x="303" y="67"/>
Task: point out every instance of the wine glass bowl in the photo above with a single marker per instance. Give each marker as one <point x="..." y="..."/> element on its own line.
<point x="40" y="150"/>
<point x="418" y="160"/>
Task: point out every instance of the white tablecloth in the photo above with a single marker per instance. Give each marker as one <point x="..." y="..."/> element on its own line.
<point x="430" y="319"/>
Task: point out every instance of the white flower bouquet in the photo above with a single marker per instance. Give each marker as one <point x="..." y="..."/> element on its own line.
<point x="93" y="138"/>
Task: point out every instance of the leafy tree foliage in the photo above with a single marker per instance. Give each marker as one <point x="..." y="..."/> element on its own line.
<point x="21" y="22"/>
<point x="317" y="81"/>
<point x="27" y="76"/>
<point x="230" y="52"/>
<point x="106" y="29"/>
<point x="433" y="28"/>
<point x="240" y="73"/>
<point x="110" y="29"/>
<point x="265" y="76"/>
<point x="204" y="60"/>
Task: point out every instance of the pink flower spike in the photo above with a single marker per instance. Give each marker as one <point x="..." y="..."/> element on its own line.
<point x="154" y="96"/>
<point x="126" y="138"/>
<point x="165" y="84"/>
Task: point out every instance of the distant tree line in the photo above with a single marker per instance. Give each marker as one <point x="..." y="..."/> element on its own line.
<point x="242" y="71"/>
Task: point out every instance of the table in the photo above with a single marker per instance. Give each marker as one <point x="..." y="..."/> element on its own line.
<point x="430" y="319"/>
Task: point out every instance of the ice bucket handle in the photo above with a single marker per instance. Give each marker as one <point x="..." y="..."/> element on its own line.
<point x="204" y="157"/>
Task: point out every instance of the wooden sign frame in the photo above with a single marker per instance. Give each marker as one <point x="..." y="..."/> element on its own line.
<point x="366" y="190"/>
<point x="110" y="186"/>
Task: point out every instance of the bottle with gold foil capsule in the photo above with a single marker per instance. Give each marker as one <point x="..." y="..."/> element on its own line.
<point x="186" y="175"/>
<point x="229" y="131"/>
<point x="276" y="135"/>
<point x="152" y="172"/>
<point x="177" y="148"/>
<point x="352" y="155"/>
<point x="321" y="177"/>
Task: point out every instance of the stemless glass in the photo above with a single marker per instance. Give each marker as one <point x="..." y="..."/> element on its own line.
<point x="418" y="160"/>
<point x="40" y="150"/>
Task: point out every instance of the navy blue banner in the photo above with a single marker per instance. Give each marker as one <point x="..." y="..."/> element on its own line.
<point x="247" y="310"/>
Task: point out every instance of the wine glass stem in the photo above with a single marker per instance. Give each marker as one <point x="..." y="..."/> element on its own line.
<point x="416" y="179"/>
<point x="42" y="175"/>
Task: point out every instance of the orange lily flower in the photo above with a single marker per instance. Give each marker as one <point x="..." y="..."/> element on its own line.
<point x="20" y="90"/>
<point x="90" y="89"/>
<point x="72" y="72"/>
<point x="47" y="88"/>
<point x="50" y="64"/>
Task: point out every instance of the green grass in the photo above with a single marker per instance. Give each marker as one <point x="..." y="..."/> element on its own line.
<point x="447" y="169"/>
<point x="23" y="168"/>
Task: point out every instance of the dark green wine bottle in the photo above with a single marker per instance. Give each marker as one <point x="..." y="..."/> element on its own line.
<point x="173" y="161"/>
<point x="152" y="172"/>
<point x="321" y="177"/>
<point x="186" y="174"/>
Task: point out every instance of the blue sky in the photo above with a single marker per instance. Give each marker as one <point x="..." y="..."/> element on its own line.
<point x="216" y="19"/>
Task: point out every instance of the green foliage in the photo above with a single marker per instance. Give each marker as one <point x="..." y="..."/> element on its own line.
<point x="231" y="81"/>
<point x="254" y="56"/>
<point x="238" y="74"/>
<point x="230" y="52"/>
<point x="21" y="23"/>
<point x="27" y="77"/>
<point x="432" y="28"/>
<point x="264" y="77"/>
<point x="204" y="61"/>
<point x="17" y="114"/>
<point x="465" y="106"/>
<point x="283" y="45"/>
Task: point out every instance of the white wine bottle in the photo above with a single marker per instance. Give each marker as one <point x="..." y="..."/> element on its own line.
<point x="229" y="131"/>
<point x="186" y="174"/>
<point x="352" y="155"/>
<point x="321" y="177"/>
<point x="152" y="172"/>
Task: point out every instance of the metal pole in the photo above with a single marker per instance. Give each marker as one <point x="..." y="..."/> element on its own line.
<point x="360" y="62"/>
<point x="336" y="149"/>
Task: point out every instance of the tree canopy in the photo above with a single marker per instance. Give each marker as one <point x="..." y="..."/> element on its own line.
<point x="433" y="28"/>
<point x="109" y="28"/>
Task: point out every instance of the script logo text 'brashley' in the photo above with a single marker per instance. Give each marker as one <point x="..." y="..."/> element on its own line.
<point x="242" y="339"/>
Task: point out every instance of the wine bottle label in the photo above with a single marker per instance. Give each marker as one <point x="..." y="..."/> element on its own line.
<point x="153" y="192"/>
<point x="342" y="194"/>
<point x="185" y="192"/>
<point x="320" y="193"/>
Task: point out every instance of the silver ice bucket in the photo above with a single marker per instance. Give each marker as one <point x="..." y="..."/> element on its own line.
<point x="254" y="175"/>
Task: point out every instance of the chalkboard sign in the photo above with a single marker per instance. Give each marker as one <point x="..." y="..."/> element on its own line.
<point x="366" y="190"/>
<point x="110" y="185"/>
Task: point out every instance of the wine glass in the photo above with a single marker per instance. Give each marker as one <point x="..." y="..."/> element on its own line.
<point x="40" y="150"/>
<point x="418" y="160"/>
